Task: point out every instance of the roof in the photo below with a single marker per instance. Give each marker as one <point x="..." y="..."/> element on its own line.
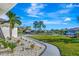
<point x="5" y="7"/>
<point x="1" y="20"/>
<point x="5" y="23"/>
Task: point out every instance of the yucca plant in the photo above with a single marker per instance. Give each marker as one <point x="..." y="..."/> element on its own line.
<point x="11" y="46"/>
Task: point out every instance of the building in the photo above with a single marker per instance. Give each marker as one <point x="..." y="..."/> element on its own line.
<point x="71" y="33"/>
<point x="4" y="30"/>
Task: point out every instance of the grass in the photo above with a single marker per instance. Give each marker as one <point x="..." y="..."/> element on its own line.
<point x="69" y="49"/>
<point x="67" y="46"/>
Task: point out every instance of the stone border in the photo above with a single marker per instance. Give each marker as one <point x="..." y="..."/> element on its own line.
<point x="43" y="50"/>
<point x="45" y="46"/>
<point x="42" y="44"/>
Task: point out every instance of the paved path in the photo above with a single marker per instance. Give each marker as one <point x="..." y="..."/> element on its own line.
<point x="51" y="50"/>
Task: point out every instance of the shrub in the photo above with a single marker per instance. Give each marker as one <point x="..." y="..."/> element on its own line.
<point x="4" y="43"/>
<point x="11" y="46"/>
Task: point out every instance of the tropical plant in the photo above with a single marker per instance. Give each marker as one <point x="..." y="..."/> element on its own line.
<point x="7" y="44"/>
<point x="41" y="25"/>
<point x="28" y="27"/>
<point x="38" y="25"/>
<point x="35" y="25"/>
<point x="11" y="46"/>
<point x="13" y="19"/>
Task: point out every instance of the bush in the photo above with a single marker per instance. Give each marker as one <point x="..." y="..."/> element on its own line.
<point x="4" y="43"/>
<point x="7" y="44"/>
<point x="11" y="46"/>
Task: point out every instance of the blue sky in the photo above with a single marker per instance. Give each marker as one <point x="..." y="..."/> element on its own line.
<point x="54" y="15"/>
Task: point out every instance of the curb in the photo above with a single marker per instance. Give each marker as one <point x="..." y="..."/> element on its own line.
<point x="44" y="48"/>
<point x="42" y="44"/>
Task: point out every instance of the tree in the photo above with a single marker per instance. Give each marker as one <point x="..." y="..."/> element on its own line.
<point x="38" y="25"/>
<point x="13" y="19"/>
<point x="77" y="34"/>
<point x="28" y="27"/>
<point x="41" y="25"/>
<point x="35" y="25"/>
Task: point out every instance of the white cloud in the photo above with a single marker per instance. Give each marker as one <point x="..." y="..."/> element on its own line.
<point x="47" y="22"/>
<point x="67" y="19"/>
<point x="63" y="11"/>
<point x="65" y="23"/>
<point x="35" y="10"/>
<point x="58" y="13"/>
<point x="72" y="5"/>
<point x="52" y="22"/>
<point x="5" y="17"/>
<point x="69" y="6"/>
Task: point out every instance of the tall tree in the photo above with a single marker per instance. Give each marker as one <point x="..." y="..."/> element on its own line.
<point x="28" y="27"/>
<point x="13" y="19"/>
<point x="35" y="25"/>
<point x="41" y="25"/>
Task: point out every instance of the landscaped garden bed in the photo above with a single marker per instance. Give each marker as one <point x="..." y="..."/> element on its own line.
<point x="20" y="47"/>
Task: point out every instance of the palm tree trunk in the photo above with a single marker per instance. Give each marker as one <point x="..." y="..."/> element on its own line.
<point x="10" y="33"/>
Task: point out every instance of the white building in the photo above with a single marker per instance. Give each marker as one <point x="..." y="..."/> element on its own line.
<point x="5" y="30"/>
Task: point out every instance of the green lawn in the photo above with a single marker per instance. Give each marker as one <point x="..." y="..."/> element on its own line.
<point x="67" y="46"/>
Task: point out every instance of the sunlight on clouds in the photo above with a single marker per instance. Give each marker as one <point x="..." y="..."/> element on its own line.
<point x="35" y="10"/>
<point x="72" y="5"/>
<point x="52" y="22"/>
<point x="58" y="13"/>
<point x="67" y="19"/>
<point x="69" y="6"/>
<point x="47" y="22"/>
<point x="63" y="11"/>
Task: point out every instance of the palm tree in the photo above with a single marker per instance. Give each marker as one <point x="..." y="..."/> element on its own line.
<point x="35" y="25"/>
<point x="38" y="25"/>
<point x="13" y="19"/>
<point x="41" y="25"/>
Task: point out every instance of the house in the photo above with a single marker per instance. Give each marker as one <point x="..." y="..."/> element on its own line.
<point x="70" y="33"/>
<point x="4" y="30"/>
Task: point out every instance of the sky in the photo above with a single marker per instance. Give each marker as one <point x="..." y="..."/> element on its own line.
<point x="54" y="15"/>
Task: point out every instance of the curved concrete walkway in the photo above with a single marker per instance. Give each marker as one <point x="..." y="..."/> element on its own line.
<point x="50" y="50"/>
